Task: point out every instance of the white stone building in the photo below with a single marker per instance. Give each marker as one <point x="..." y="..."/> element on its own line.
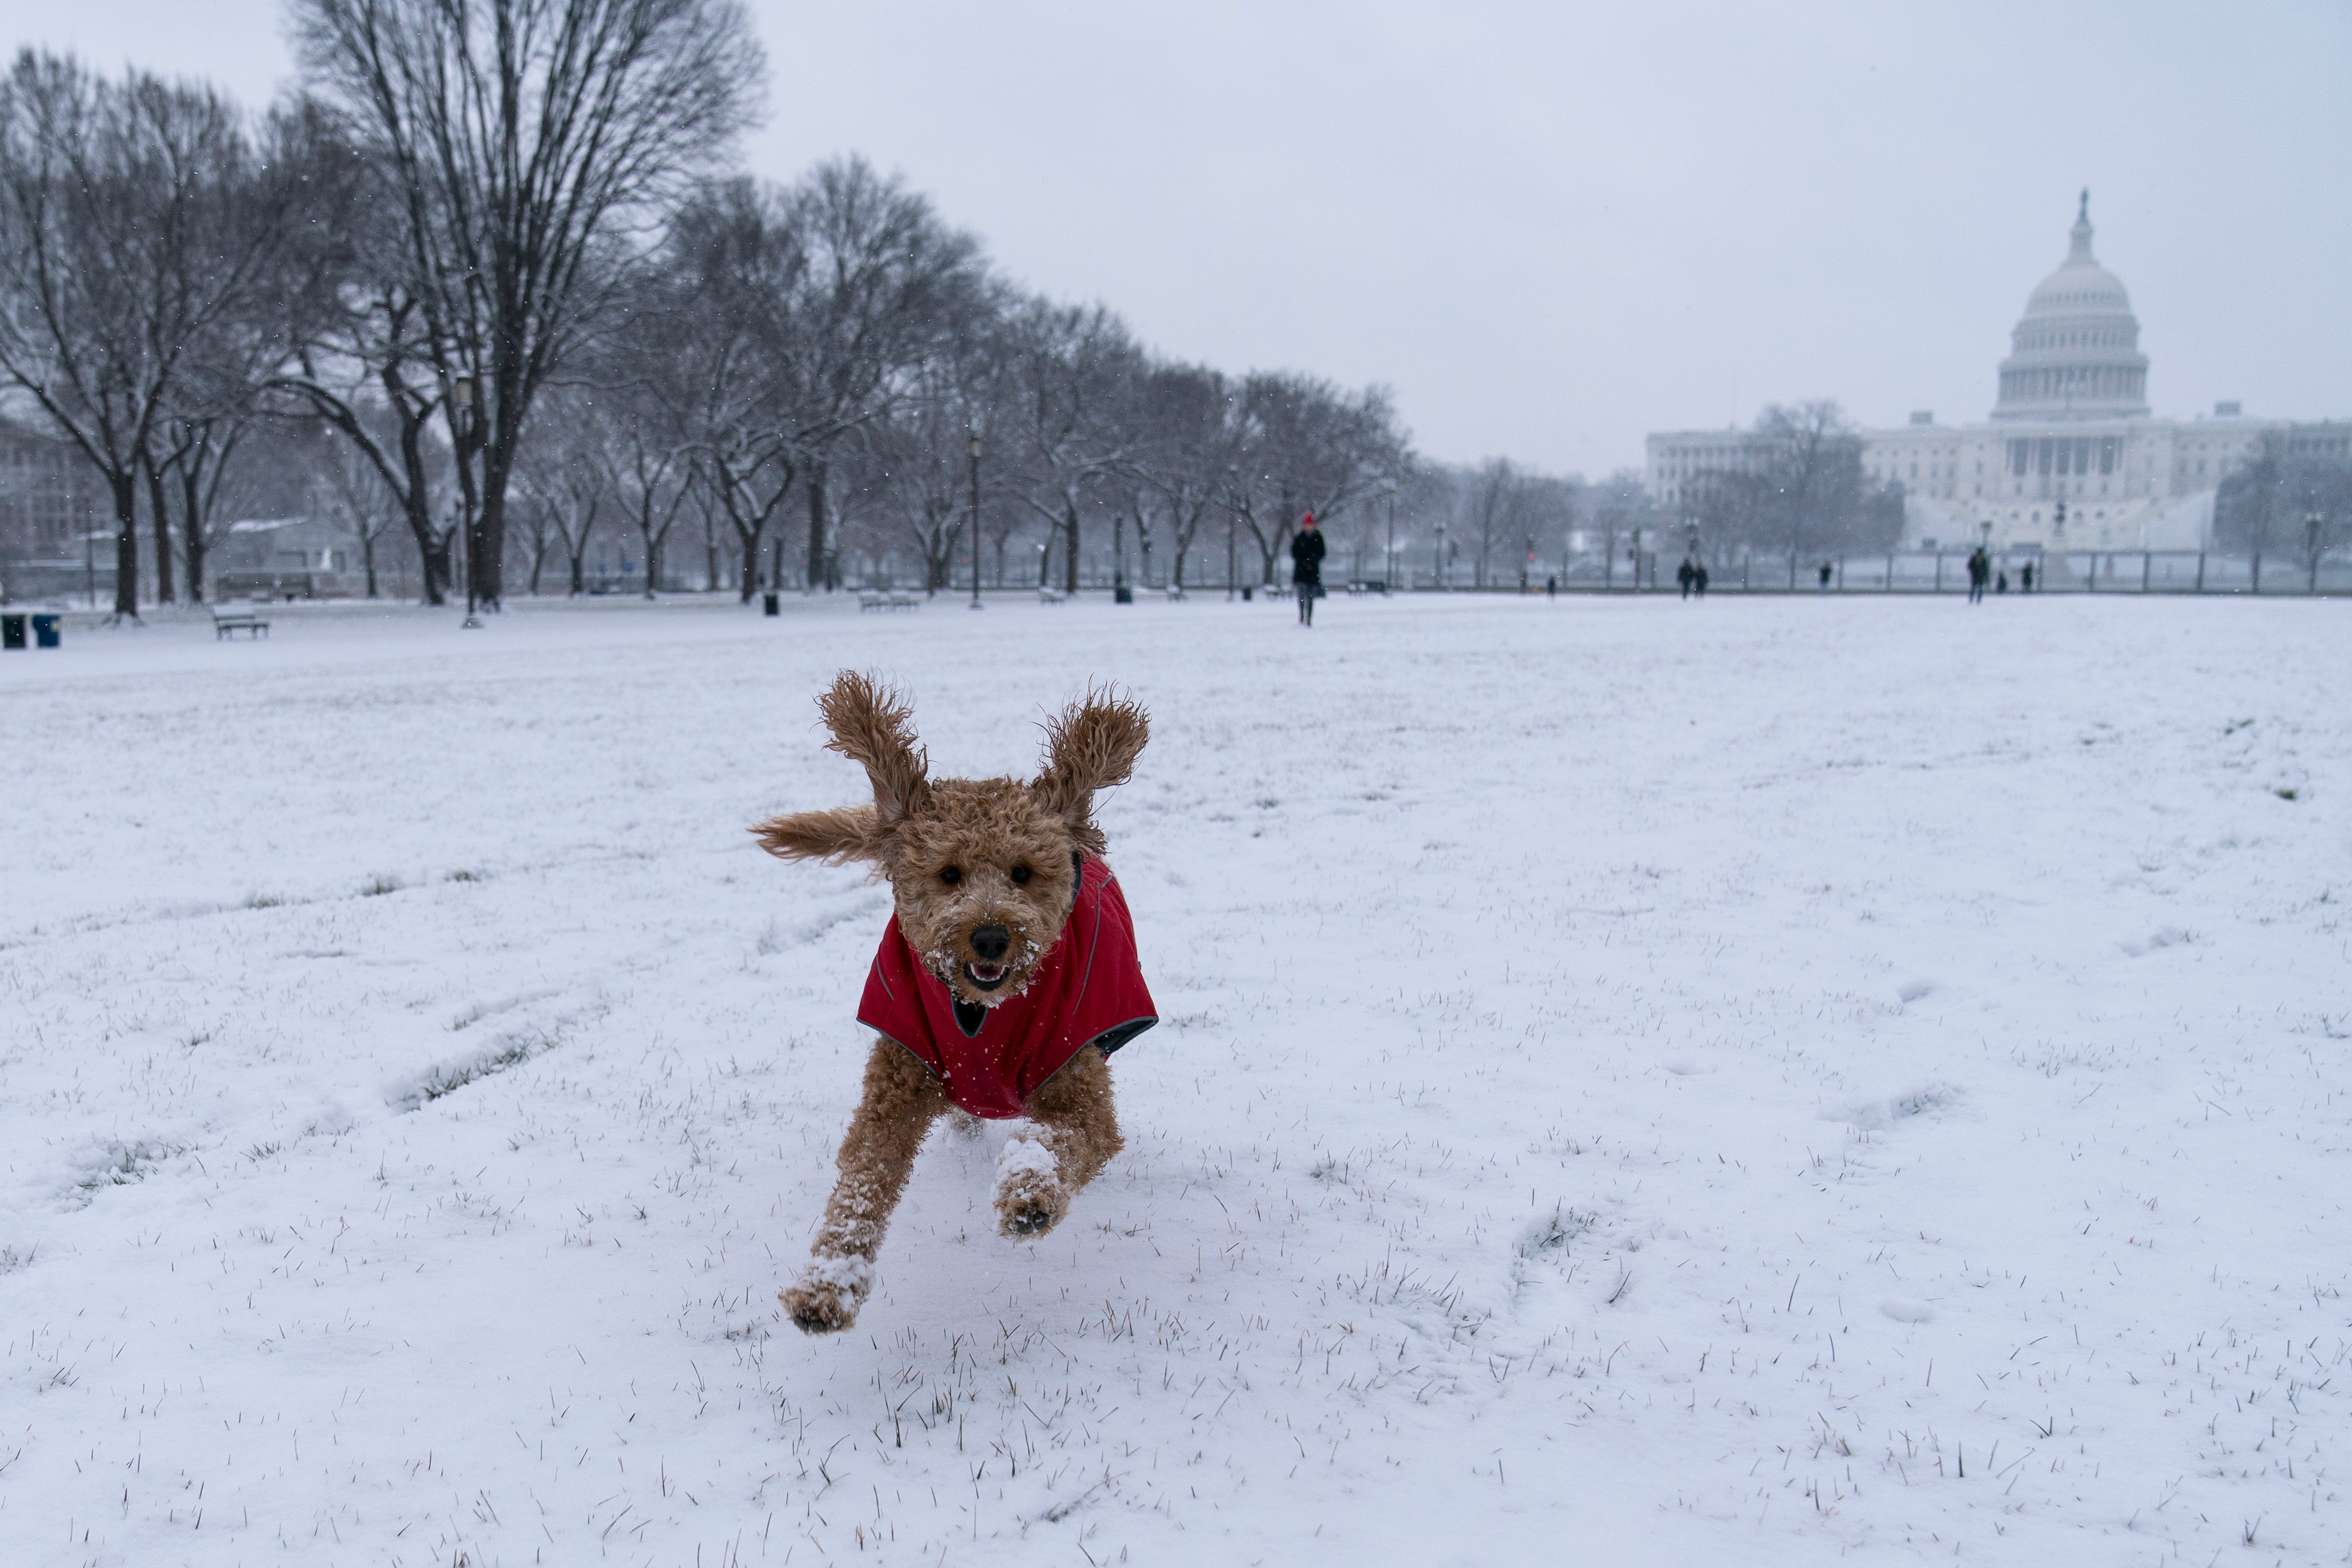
<point x="2070" y="457"/>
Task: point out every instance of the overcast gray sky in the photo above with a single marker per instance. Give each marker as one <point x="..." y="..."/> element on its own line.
<point x="1555" y="228"/>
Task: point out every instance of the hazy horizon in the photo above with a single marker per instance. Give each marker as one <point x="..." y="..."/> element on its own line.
<point x="1552" y="234"/>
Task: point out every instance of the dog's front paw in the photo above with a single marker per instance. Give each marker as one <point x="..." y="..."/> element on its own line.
<point x="1030" y="1198"/>
<point x="826" y="1299"/>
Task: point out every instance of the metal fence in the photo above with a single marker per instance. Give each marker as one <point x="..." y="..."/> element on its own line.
<point x="1946" y="571"/>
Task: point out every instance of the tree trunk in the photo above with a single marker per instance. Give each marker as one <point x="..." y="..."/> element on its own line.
<point x="1070" y="545"/>
<point x="163" y="534"/>
<point x="579" y="566"/>
<point x="490" y="533"/>
<point x="125" y="484"/>
<point x="817" y="520"/>
<point x="749" y="540"/>
<point x="367" y="560"/>
<point x="192" y="531"/>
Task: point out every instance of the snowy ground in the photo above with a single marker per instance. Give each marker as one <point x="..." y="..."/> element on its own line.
<point x="1641" y="1083"/>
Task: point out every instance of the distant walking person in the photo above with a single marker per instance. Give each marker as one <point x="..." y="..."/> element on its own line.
<point x="1552" y="587"/>
<point x="2025" y="578"/>
<point x="1686" y="573"/>
<point x="2000" y="583"/>
<point x="1306" y="567"/>
<point x="1979" y="573"/>
<point x="1698" y="578"/>
<point x="1825" y="576"/>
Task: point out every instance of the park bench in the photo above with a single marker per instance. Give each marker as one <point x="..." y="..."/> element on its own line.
<point x="1049" y="596"/>
<point x="1175" y="594"/>
<point x="875" y="599"/>
<point x="246" y="621"/>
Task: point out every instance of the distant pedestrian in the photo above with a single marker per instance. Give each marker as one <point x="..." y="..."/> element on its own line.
<point x="1979" y="573"/>
<point x="1686" y="573"/>
<point x="1825" y="576"/>
<point x="1551" y="587"/>
<point x="1698" y="578"/>
<point x="2025" y="578"/>
<point x="1306" y="567"/>
<point x="2000" y="583"/>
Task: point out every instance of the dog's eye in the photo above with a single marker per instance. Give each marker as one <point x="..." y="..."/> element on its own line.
<point x="950" y="875"/>
<point x="1020" y="875"/>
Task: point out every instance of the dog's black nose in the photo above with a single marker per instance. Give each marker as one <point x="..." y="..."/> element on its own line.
<point x="989" y="944"/>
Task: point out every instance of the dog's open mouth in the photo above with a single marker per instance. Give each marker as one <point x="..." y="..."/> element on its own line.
<point x="986" y="976"/>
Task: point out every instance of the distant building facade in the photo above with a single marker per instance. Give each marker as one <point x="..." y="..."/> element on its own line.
<point x="2070" y="457"/>
<point x="51" y="501"/>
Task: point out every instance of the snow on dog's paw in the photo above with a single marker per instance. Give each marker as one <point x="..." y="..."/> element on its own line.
<point x="1030" y="1198"/>
<point x="826" y="1299"/>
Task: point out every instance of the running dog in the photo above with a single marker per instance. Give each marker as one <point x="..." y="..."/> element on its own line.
<point x="1010" y="952"/>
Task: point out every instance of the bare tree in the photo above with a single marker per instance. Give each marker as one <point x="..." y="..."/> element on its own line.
<point x="2319" y="490"/>
<point x="1191" y="433"/>
<point x="135" y="217"/>
<point x="1073" y="371"/>
<point x="884" y="289"/>
<point x="2249" y="499"/>
<point x="1811" y="483"/>
<point x="568" y="478"/>
<point x="356" y="494"/>
<point x="1310" y="447"/>
<point x="530" y="144"/>
<point x="368" y="349"/>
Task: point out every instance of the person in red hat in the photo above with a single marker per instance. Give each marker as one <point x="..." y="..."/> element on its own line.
<point x="1306" y="567"/>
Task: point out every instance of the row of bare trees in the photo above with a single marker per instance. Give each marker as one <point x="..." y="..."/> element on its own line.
<point x="500" y="251"/>
<point x="2285" y="501"/>
<point x="1799" y="488"/>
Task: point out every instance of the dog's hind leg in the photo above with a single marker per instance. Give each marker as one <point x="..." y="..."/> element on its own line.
<point x="1076" y="1133"/>
<point x="900" y="1102"/>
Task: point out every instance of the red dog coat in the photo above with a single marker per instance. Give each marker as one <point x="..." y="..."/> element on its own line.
<point x="1089" y="990"/>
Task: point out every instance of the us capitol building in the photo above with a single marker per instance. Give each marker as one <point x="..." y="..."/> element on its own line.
<point x="2070" y="457"/>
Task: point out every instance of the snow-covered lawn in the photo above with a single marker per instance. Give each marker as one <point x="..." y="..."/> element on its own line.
<point x="1640" y="1083"/>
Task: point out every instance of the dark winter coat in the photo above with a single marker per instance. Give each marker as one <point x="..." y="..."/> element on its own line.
<point x="1089" y="990"/>
<point x="1307" y="557"/>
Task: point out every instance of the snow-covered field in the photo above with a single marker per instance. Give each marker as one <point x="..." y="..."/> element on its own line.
<point x="1748" y="1082"/>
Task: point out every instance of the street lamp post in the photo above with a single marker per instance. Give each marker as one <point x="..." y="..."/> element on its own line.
<point x="2312" y="522"/>
<point x="1439" y="564"/>
<point x="974" y="449"/>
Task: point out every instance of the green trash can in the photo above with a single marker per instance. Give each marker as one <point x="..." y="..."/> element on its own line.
<point x="11" y="631"/>
<point x="45" y="630"/>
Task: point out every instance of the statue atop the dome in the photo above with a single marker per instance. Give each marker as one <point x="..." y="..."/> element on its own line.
<point x="2083" y="213"/>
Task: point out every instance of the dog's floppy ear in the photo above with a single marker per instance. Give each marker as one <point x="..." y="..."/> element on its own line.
<point x="851" y="833"/>
<point x="872" y="725"/>
<point x="1091" y="745"/>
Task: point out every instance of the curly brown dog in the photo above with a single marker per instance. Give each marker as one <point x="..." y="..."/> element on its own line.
<point x="1010" y="952"/>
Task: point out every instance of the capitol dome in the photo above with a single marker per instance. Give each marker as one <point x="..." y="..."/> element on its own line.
<point x="2074" y="355"/>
